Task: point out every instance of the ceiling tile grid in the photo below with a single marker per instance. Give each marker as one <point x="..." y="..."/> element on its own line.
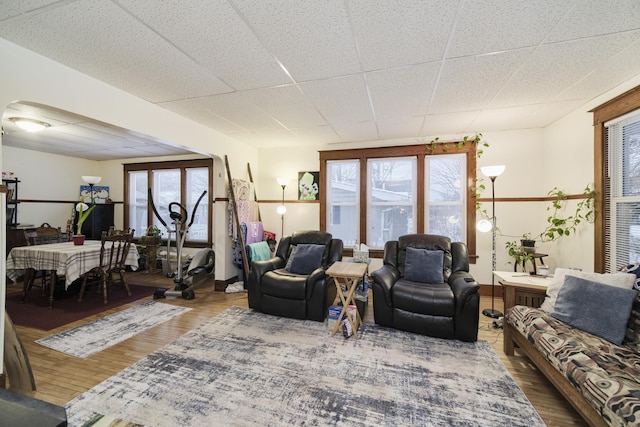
<point x="301" y="72"/>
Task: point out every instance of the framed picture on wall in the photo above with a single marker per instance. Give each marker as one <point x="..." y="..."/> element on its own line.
<point x="100" y="194"/>
<point x="308" y="185"/>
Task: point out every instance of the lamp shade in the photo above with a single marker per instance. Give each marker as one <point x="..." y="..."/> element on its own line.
<point x="283" y="181"/>
<point x="484" y="226"/>
<point x="91" y="179"/>
<point x="282" y="209"/>
<point x="492" y="171"/>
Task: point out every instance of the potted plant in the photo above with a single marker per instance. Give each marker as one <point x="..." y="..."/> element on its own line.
<point x="153" y="236"/>
<point x="528" y="244"/>
<point x="150" y="242"/>
<point x="83" y="213"/>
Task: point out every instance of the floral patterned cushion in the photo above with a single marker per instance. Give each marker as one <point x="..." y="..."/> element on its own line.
<point x="607" y="375"/>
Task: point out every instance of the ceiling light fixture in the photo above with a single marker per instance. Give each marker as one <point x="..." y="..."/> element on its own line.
<point x="30" y="125"/>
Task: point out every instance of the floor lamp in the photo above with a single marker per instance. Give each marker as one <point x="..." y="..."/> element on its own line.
<point x="485" y="225"/>
<point x="282" y="209"/>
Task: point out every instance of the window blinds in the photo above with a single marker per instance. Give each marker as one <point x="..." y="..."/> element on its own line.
<point x="622" y="191"/>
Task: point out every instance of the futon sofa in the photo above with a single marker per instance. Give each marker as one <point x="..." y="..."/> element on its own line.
<point x="600" y="378"/>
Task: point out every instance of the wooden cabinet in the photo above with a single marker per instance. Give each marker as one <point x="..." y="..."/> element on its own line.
<point x="100" y="220"/>
<point x="520" y="289"/>
<point x="12" y="200"/>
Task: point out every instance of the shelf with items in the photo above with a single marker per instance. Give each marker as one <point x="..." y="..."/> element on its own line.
<point x="12" y="200"/>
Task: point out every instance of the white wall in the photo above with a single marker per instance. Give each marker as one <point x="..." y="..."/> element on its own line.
<point x="27" y="76"/>
<point x="54" y="178"/>
<point x="286" y="163"/>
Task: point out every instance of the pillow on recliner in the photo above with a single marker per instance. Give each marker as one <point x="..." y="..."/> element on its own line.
<point x="292" y="255"/>
<point x="306" y="259"/>
<point x="423" y="265"/>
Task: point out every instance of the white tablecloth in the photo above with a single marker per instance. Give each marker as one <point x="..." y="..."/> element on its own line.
<point x="67" y="259"/>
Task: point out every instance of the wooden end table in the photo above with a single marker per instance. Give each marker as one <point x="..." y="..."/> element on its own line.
<point x="520" y="289"/>
<point x="347" y="275"/>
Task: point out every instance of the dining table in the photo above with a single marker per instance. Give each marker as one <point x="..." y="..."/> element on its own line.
<point x="67" y="259"/>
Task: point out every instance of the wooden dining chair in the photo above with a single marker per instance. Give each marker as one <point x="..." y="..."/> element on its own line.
<point x="113" y="253"/>
<point x="40" y="236"/>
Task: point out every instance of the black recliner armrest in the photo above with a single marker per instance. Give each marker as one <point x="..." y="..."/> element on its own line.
<point x="258" y="269"/>
<point x="385" y="277"/>
<point x="465" y="290"/>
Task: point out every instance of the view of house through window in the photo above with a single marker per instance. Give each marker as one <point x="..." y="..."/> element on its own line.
<point x="445" y="197"/>
<point x="391" y="199"/>
<point x="343" y="195"/>
<point x="400" y="194"/>
<point x="180" y="182"/>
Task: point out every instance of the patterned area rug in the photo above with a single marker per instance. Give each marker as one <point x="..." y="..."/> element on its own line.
<point x="246" y="368"/>
<point x="90" y="338"/>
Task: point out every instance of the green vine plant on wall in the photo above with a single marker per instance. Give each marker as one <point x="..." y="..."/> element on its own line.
<point x="557" y="225"/>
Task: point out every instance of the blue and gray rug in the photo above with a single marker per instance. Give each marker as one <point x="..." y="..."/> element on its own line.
<point x="85" y="340"/>
<point x="244" y="368"/>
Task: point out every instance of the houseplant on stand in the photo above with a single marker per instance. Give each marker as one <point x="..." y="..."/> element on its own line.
<point x="83" y="213"/>
<point x="557" y="226"/>
<point x="149" y="245"/>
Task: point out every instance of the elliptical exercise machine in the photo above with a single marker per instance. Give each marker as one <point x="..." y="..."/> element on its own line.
<point x="202" y="262"/>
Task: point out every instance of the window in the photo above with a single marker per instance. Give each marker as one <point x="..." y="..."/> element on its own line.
<point x="378" y="194"/>
<point x="343" y="199"/>
<point x="616" y="174"/>
<point x="179" y="182"/>
<point x="390" y="199"/>
<point x="445" y="196"/>
<point x="622" y="194"/>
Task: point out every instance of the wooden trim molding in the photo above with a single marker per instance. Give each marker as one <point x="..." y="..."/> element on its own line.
<point x="616" y="107"/>
<point x="419" y="151"/>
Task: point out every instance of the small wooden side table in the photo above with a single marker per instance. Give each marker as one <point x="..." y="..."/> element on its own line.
<point x="347" y="275"/>
<point x="520" y="289"/>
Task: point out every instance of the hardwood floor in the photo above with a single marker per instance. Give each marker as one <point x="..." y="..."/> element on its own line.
<point x="60" y="378"/>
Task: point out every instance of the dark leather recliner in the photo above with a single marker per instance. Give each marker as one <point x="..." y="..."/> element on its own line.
<point x="443" y="310"/>
<point x="274" y="290"/>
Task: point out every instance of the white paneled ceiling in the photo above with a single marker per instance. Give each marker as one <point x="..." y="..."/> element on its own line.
<point x="300" y="72"/>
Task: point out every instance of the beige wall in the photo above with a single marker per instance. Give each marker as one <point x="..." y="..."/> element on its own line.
<point x="27" y="76"/>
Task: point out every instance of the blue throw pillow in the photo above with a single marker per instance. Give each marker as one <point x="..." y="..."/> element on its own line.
<point x="594" y="307"/>
<point x="423" y="265"/>
<point x="306" y="259"/>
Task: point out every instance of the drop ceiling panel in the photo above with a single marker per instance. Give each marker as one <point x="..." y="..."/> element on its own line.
<point x="361" y="131"/>
<point x="197" y="110"/>
<point x="469" y="83"/>
<point x="494" y="25"/>
<point x="340" y="100"/>
<point x="288" y="105"/>
<point x="616" y="70"/>
<point x="113" y="41"/>
<point x="217" y="38"/>
<point x="317" y="135"/>
<point x="449" y="124"/>
<point x="392" y="34"/>
<point x="596" y="17"/>
<point x="401" y="92"/>
<point x="400" y="127"/>
<point x="359" y="69"/>
<point x="570" y="62"/>
<point x="312" y="39"/>
<point x="239" y="108"/>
